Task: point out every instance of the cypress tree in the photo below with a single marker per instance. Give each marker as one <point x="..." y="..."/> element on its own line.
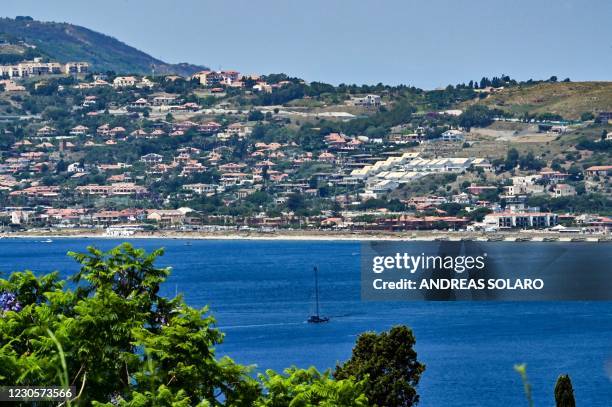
<point x="564" y="392"/>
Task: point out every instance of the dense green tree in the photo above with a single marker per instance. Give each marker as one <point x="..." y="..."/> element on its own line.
<point x="255" y="116"/>
<point x="259" y="198"/>
<point x="512" y="159"/>
<point x="478" y="214"/>
<point x="529" y="162"/>
<point x="296" y="202"/>
<point x="587" y="116"/>
<point x="476" y="116"/>
<point x="451" y="208"/>
<point x="389" y="362"/>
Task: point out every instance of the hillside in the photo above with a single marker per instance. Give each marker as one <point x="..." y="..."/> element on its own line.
<point x="67" y="42"/>
<point x="569" y="99"/>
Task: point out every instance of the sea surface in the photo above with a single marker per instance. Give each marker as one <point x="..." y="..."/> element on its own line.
<point x="261" y="292"/>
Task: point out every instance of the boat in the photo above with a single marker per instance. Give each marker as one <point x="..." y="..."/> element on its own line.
<point x="316" y="318"/>
<point x="578" y="239"/>
<point x="46" y="241"/>
<point x="495" y="238"/>
<point x="550" y="239"/>
<point x="441" y="239"/>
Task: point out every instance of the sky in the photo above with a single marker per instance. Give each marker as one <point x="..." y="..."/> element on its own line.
<point x="427" y="44"/>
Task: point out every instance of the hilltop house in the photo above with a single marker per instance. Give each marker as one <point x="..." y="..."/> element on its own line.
<point x="598" y="170"/>
<point x="208" y="78"/>
<point x="366" y="101"/>
<point x="453" y="135"/>
<point x="124" y="81"/>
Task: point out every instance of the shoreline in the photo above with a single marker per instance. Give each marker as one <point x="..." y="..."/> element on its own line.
<point x="416" y="236"/>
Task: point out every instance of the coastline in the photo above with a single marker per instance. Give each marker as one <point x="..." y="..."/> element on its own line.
<point x="513" y="236"/>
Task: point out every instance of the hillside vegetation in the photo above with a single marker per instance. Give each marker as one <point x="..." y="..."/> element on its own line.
<point x="568" y="99"/>
<point x="67" y="42"/>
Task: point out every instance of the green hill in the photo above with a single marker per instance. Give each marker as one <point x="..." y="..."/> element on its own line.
<point x="67" y="42"/>
<point x="568" y="99"/>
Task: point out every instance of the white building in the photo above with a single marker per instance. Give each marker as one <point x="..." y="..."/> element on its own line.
<point x="520" y="220"/>
<point x="151" y="158"/>
<point x="367" y="101"/>
<point x="204" y="189"/>
<point x="453" y="135"/>
<point x="124" y="81"/>
<point x="75" y="168"/>
<point x="38" y="68"/>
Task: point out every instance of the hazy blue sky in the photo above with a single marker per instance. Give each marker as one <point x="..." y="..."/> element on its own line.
<point x="423" y="43"/>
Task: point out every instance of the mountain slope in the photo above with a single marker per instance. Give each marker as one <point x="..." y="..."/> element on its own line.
<point x="67" y="42"/>
<point x="569" y="99"/>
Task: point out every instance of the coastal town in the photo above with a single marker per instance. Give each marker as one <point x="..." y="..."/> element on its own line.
<point x="222" y="152"/>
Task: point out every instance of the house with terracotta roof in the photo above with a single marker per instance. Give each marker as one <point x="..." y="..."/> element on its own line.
<point x="327" y="157"/>
<point x="184" y="125"/>
<point x="232" y="167"/>
<point x="140" y="103"/>
<point x="168" y="217"/>
<point x="79" y="130"/>
<point x="65" y="215"/>
<point x="46" y="131"/>
<point x="158" y="133"/>
<point x="209" y="127"/>
<point x="208" y="78"/>
<point x="38" y="192"/>
<point x="139" y="133"/>
<point x="114" y="217"/>
<point x="335" y="141"/>
<point x="116" y="131"/>
<point x="598" y="171"/>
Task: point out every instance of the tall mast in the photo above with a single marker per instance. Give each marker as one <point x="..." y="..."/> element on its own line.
<point x="316" y="290"/>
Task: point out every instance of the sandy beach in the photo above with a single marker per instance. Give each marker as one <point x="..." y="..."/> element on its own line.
<point x="513" y="236"/>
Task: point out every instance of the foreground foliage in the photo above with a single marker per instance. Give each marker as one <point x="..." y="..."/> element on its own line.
<point x="111" y="335"/>
<point x="389" y="363"/>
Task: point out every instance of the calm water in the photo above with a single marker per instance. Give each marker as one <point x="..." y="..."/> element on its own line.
<point x="261" y="292"/>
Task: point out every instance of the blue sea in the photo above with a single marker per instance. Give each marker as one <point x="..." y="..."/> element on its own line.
<point x="261" y="292"/>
